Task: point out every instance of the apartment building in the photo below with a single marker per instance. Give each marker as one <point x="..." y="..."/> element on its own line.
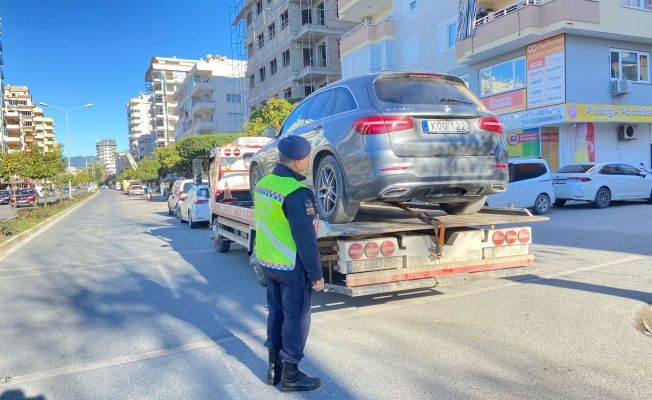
<point x="162" y="79"/>
<point x="292" y="47"/>
<point x="49" y="132"/>
<point x="121" y="162"/>
<point x="24" y="120"/>
<point x="210" y="99"/>
<point x="105" y="150"/>
<point x="139" y="123"/>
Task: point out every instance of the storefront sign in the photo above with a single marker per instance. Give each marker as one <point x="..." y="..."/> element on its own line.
<point x="546" y="72"/>
<point x="550" y="147"/>
<point x="506" y="102"/>
<point x="530" y="118"/>
<point x="523" y="143"/>
<point x="608" y="113"/>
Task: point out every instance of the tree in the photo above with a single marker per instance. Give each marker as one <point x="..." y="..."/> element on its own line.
<point x="95" y="171"/>
<point x="169" y="159"/>
<point x="12" y="166"/>
<point x="271" y="115"/>
<point x="148" y="170"/>
<point x="127" y="175"/>
<point x="192" y="147"/>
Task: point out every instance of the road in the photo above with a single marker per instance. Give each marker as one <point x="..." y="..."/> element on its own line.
<point x="118" y="300"/>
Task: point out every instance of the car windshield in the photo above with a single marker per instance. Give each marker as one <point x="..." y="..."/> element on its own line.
<point x="422" y="89"/>
<point x="25" y="191"/>
<point x="577" y="169"/>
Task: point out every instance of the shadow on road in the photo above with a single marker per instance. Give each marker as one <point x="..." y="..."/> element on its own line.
<point x="17" y="394"/>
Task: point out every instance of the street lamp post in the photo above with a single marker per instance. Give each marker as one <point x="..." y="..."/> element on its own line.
<point x="67" y="138"/>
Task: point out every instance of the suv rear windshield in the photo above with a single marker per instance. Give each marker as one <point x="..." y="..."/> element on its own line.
<point x="187" y="186"/>
<point x="202" y="193"/>
<point x="577" y="169"/>
<point x="412" y="89"/>
<point x="4" y="193"/>
<point x="25" y="191"/>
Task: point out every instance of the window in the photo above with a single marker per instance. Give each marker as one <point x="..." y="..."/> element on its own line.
<point x="248" y="18"/>
<point x="631" y="65"/>
<point x="285" y="19"/>
<point x="233" y="98"/>
<point x="261" y="74"/>
<point x="287" y="93"/>
<point x="408" y="6"/>
<point x="306" y="16"/>
<point x="345" y="101"/>
<point x="272" y="67"/>
<point x="465" y="78"/>
<point x="318" y="105"/>
<point x="642" y="4"/>
<point x="321" y="15"/>
<point x="446" y="35"/>
<point x="286" y="58"/>
<point x="234" y="117"/>
<point x="420" y="90"/>
<point x="259" y="8"/>
<point x="503" y="77"/>
<point x="261" y="40"/>
<point x="413" y="5"/>
<point x="250" y="50"/>
<point x="252" y="81"/>
<point x="411" y="51"/>
<point x="271" y="31"/>
<point x="611" y="169"/>
<point x="525" y="171"/>
<point x="630" y="169"/>
<point x="295" y="119"/>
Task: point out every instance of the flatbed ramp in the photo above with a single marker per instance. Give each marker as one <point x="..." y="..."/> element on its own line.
<point x="386" y="249"/>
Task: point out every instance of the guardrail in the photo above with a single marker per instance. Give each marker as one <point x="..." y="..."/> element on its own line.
<point x="508" y="10"/>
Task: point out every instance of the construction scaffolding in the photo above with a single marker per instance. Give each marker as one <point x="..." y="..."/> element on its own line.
<point x="239" y="60"/>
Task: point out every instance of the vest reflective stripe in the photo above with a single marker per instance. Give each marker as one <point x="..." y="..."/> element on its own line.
<point x="275" y="247"/>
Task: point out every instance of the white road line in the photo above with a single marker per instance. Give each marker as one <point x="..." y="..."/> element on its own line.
<point x="172" y="285"/>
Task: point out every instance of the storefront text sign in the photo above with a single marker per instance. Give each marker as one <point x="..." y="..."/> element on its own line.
<point x="546" y="72"/>
<point x="608" y="113"/>
<point x="523" y="143"/>
<point x="506" y="102"/>
<point x="530" y="118"/>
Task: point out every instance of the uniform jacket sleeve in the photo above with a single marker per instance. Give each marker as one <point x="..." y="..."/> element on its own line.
<point x="303" y="231"/>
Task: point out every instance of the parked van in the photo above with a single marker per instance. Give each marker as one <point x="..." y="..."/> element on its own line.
<point x="530" y="186"/>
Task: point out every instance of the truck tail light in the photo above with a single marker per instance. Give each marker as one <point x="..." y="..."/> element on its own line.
<point x="355" y="251"/>
<point x="371" y="250"/>
<point x="511" y="237"/>
<point x="498" y="238"/>
<point x="523" y="236"/>
<point x="387" y="248"/>
<point x="378" y="124"/>
<point x="236" y="152"/>
<point x="201" y="201"/>
<point x="227" y="152"/>
<point x="491" y="124"/>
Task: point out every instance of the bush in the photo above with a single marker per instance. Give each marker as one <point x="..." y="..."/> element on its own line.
<point x="7" y="228"/>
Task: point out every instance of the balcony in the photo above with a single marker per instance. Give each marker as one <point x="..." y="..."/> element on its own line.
<point x="12" y="114"/>
<point x="366" y="33"/>
<point x="201" y="87"/>
<point x="13" y="127"/>
<point x="311" y="32"/>
<point x="38" y="127"/>
<point x="517" y="24"/>
<point x="13" y="139"/>
<point x="203" y="124"/>
<point x="319" y="70"/>
<point x="202" y="105"/>
<point x="357" y="10"/>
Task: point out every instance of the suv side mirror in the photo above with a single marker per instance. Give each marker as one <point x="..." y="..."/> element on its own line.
<point x="269" y="132"/>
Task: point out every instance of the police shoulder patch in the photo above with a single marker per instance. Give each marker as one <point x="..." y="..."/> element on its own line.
<point x="310" y="209"/>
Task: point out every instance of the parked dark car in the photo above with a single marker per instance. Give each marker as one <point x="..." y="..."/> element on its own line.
<point x="4" y="196"/>
<point x="393" y="137"/>
<point x="24" y="198"/>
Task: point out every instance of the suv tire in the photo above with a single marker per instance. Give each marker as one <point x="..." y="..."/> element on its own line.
<point x="330" y="194"/>
<point x="463" y="207"/>
<point x="541" y="204"/>
<point x="255" y="174"/>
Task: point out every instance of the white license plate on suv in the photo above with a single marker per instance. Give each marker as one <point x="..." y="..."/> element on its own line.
<point x="376" y="264"/>
<point x="445" y="126"/>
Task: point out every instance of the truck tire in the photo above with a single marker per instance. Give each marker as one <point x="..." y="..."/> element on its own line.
<point x="221" y="244"/>
<point x="463" y="207"/>
<point x="330" y="193"/>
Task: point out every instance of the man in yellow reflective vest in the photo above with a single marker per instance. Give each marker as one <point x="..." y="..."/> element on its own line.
<point x="286" y="246"/>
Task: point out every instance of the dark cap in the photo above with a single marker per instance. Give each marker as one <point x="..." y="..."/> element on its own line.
<point x="294" y="147"/>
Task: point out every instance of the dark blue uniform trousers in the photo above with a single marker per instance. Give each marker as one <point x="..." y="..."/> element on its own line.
<point x="288" y="321"/>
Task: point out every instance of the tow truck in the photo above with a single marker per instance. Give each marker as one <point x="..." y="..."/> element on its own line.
<point x="388" y="247"/>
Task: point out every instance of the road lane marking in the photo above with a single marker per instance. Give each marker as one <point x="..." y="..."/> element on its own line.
<point x="172" y="285"/>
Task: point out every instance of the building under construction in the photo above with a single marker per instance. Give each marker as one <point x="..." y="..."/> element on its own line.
<point x="292" y="46"/>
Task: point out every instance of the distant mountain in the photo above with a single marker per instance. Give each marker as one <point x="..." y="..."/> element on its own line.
<point x="80" y="161"/>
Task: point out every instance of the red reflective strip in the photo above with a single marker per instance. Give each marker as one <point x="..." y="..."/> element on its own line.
<point x="387" y="169"/>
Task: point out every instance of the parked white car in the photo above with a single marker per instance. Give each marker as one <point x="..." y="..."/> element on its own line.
<point x="530" y="186"/>
<point x="178" y="193"/>
<point x="194" y="208"/>
<point x="601" y="183"/>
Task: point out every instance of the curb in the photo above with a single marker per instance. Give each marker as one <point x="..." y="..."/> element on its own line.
<point x="14" y="241"/>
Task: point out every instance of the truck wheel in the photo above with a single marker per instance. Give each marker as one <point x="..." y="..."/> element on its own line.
<point x="260" y="277"/>
<point x="463" y="207"/>
<point x="221" y="244"/>
<point x="332" y="204"/>
<point x="541" y="204"/>
<point x="255" y="175"/>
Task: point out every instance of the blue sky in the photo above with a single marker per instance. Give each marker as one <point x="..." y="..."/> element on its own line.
<point x="75" y="52"/>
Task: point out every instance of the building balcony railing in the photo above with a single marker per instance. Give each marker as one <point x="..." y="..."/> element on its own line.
<point x="13" y="127"/>
<point x="202" y="105"/>
<point x="203" y="123"/>
<point x="201" y="86"/>
<point x="367" y="33"/>
<point x="386" y="17"/>
<point x="507" y="10"/>
<point x="13" y="139"/>
<point x="318" y="69"/>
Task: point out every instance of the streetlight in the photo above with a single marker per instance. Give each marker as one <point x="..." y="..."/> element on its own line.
<point x="67" y="137"/>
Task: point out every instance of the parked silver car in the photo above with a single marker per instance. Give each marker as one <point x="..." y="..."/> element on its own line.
<point x="393" y="137"/>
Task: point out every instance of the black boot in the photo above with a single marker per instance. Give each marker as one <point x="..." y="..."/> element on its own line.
<point x="295" y="381"/>
<point x="275" y="368"/>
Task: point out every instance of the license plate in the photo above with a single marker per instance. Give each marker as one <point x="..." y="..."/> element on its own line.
<point x="377" y="264"/>
<point x="559" y="182"/>
<point x="445" y="126"/>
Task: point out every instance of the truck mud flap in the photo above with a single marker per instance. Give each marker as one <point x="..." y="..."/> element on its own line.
<point x="446" y="280"/>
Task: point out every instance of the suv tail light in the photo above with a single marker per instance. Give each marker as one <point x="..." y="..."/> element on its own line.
<point x="31" y="198"/>
<point x="491" y="124"/>
<point x="180" y="193"/>
<point x="378" y="124"/>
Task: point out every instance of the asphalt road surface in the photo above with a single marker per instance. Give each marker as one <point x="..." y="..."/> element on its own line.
<point x="119" y="301"/>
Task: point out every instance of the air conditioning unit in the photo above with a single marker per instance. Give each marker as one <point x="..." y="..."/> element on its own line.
<point x="620" y="86"/>
<point x="626" y="133"/>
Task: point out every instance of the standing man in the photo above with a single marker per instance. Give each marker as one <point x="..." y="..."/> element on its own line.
<point x="286" y="248"/>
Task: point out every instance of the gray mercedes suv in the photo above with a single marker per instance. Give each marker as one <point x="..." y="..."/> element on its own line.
<point x="393" y="137"/>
